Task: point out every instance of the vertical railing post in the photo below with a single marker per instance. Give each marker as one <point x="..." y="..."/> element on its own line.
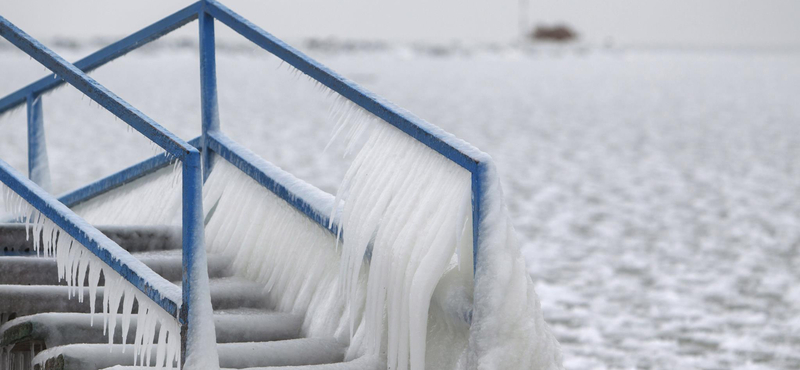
<point x="208" y="84"/>
<point x="477" y="197"/>
<point x="38" y="164"/>
<point x="198" y="336"/>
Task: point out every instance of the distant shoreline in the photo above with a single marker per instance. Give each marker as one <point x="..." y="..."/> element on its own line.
<point x="343" y="46"/>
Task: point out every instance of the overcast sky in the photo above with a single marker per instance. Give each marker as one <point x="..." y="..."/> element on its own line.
<point x="699" y="23"/>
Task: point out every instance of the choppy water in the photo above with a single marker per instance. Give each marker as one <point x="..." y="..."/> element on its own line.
<point x="656" y="193"/>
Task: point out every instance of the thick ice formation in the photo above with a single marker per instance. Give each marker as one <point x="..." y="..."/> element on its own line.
<point x="508" y="330"/>
<point x="400" y="289"/>
<point x="77" y="265"/>
<point x="276" y="245"/>
<point x="412" y="206"/>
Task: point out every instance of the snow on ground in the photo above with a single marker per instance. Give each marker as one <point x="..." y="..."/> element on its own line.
<point x="654" y="192"/>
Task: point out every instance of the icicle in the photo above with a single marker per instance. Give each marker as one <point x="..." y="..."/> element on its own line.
<point x="76" y="265"/>
<point x="127" y="307"/>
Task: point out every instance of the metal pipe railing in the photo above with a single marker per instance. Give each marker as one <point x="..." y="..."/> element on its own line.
<point x="452" y="148"/>
<point x="105" y="55"/>
<point x="161" y="291"/>
<point x="194" y="255"/>
<point x="196" y="163"/>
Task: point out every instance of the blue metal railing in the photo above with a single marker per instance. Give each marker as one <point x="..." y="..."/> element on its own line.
<point x="105" y="55"/>
<point x="212" y="139"/>
<point x="176" y="149"/>
<point x="458" y="151"/>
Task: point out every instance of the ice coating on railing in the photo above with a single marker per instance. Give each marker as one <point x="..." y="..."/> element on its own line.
<point x="276" y="245"/>
<point x="77" y="265"/>
<point x="412" y="205"/>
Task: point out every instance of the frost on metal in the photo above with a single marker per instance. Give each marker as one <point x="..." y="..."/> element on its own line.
<point x="82" y="270"/>
<point x="276" y="245"/>
<point x="408" y="207"/>
<point x="411" y="208"/>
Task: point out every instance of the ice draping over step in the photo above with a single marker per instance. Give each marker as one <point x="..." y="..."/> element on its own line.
<point x="77" y="266"/>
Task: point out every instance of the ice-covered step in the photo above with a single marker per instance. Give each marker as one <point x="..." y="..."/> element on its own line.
<point x="357" y="364"/>
<point x="362" y="363"/>
<point x="14" y="239"/>
<point x="22" y="300"/>
<point x="292" y="352"/>
<point x="42" y="271"/>
<point x="233" y="292"/>
<point x="58" y="329"/>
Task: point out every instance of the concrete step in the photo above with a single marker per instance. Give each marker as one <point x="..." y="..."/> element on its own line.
<point x="59" y="329"/>
<point x="15" y="240"/>
<point x="362" y="363"/>
<point x="292" y="352"/>
<point x="42" y="271"/>
<point x="23" y="300"/>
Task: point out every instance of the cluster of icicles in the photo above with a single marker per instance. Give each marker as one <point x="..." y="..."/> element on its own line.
<point x="412" y="206"/>
<point x="274" y="244"/>
<point x="409" y="214"/>
<point x="77" y="265"/>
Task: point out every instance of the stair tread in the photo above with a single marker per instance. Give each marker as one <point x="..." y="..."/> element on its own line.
<point x="291" y="352"/>
<point x="226" y="293"/>
<point x="42" y="270"/>
<point x="57" y="329"/>
<point x="15" y="239"/>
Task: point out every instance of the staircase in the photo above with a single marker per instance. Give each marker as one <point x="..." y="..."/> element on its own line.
<point x="37" y="316"/>
<point x="39" y="321"/>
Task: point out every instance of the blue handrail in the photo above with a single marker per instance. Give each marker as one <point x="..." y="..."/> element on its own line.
<point x="457" y="150"/>
<point x="197" y="157"/>
<point x="168" y="296"/>
<point x="176" y="149"/>
<point x="105" y="55"/>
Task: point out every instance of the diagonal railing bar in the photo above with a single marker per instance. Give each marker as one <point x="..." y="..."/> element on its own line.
<point x="194" y="310"/>
<point x="194" y="168"/>
<point x="162" y="292"/>
<point x="106" y="54"/>
<point x="457" y="150"/>
<point x="97" y="92"/>
<point x="437" y="139"/>
<point x="279" y="182"/>
<point x="120" y="178"/>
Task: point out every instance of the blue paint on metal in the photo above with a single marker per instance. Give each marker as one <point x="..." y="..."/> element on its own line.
<point x="192" y="215"/>
<point x="445" y="144"/>
<point x="38" y="167"/>
<point x="208" y="86"/>
<point x="177" y="149"/>
<point x="477" y="198"/>
<point x="105" y="55"/>
<point x="193" y="243"/>
<point x="258" y="169"/>
<point x="118" y="179"/>
<point x="91" y="238"/>
<point x="75" y="77"/>
<point x="424" y="132"/>
<point x="266" y="173"/>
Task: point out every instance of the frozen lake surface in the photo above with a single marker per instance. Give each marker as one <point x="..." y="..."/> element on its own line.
<point x="655" y="193"/>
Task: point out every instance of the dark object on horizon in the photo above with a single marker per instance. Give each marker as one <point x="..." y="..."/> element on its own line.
<point x="555" y="33"/>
